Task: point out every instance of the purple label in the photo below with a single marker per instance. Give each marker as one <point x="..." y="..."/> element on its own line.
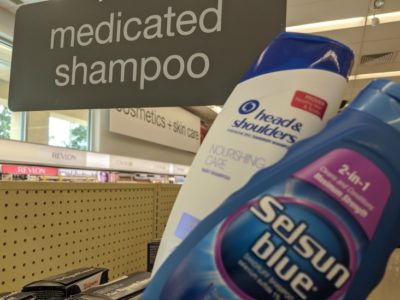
<point x="354" y="181"/>
<point x="186" y="224"/>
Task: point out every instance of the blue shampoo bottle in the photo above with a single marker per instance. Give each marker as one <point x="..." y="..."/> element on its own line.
<point x="320" y="224"/>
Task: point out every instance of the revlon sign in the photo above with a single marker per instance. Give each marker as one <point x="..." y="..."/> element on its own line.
<point x="29" y="170"/>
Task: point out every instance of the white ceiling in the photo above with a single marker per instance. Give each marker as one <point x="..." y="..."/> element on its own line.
<point x="312" y="11"/>
<point x="363" y="40"/>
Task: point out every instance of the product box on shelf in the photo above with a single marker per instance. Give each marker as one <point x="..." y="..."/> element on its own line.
<point x="126" y="288"/>
<point x="67" y="284"/>
<point x="152" y="249"/>
<point x="17" y="296"/>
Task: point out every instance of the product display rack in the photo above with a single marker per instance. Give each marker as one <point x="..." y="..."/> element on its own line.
<point x="49" y="228"/>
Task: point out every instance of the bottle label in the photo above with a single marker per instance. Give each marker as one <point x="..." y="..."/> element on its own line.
<point x="352" y="180"/>
<point x="310" y="103"/>
<point x="300" y="239"/>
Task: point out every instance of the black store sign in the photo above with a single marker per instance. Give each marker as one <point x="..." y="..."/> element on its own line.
<point x="75" y="54"/>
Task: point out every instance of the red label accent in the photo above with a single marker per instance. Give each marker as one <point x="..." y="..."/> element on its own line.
<point x="310" y="103"/>
<point x="29" y="170"/>
<point x="90" y="284"/>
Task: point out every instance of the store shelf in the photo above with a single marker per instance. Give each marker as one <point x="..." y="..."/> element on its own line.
<point x="14" y="152"/>
<point x="49" y="228"/>
<point x="165" y="201"/>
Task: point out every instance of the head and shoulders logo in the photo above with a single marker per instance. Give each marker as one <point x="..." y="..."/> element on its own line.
<point x="255" y="121"/>
<point x="249" y="106"/>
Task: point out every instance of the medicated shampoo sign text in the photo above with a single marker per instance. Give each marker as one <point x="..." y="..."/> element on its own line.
<point x="73" y="54"/>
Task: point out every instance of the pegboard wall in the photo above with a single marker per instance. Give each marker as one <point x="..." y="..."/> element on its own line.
<point x="49" y="228"/>
<point x="389" y="288"/>
<point x="165" y="201"/>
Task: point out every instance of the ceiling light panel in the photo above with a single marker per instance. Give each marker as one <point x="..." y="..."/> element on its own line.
<point x="375" y="75"/>
<point x="341" y="24"/>
<point x="215" y="108"/>
<point x="328" y="25"/>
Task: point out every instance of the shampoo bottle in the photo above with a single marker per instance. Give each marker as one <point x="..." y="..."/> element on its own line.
<point x="319" y="225"/>
<point x="290" y="93"/>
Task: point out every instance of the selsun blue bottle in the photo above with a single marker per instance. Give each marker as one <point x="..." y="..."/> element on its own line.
<point x="289" y="94"/>
<point x="318" y="225"/>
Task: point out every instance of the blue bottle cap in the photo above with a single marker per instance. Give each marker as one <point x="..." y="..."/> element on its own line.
<point x="303" y="51"/>
<point x="381" y="99"/>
